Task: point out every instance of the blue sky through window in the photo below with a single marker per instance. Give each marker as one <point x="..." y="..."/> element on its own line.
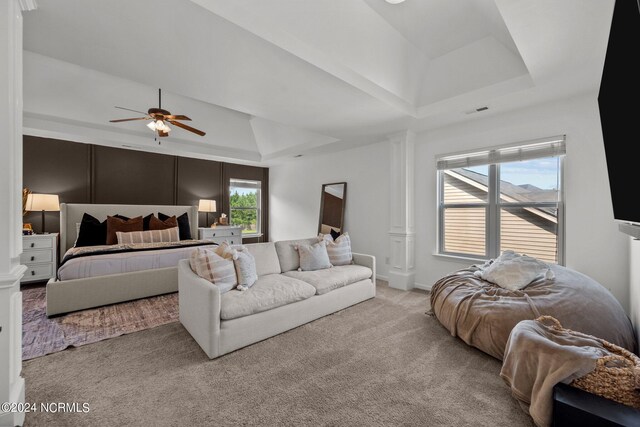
<point x="542" y="173"/>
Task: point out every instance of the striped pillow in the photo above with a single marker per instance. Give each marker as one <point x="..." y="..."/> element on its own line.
<point x="339" y="250"/>
<point x="149" y="236"/>
<point x="212" y="267"/>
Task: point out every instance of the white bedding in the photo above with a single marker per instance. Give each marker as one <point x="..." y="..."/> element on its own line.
<point x="123" y="262"/>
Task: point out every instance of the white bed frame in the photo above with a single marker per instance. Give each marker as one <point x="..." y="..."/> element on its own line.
<point x="64" y="296"/>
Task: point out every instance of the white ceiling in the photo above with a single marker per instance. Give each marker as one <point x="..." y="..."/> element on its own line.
<point x="270" y="79"/>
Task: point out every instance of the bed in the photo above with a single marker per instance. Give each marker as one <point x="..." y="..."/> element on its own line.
<point x="483" y="314"/>
<point x="94" y="280"/>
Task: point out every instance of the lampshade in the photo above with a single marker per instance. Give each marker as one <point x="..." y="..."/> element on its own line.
<point x="42" y="202"/>
<point x="207" y="206"/>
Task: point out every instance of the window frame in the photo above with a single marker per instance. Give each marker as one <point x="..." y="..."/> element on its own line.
<point x="257" y="185"/>
<point x="493" y="207"/>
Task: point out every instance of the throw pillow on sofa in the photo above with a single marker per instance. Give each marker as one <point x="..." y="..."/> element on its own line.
<point x="314" y="257"/>
<point x="212" y="267"/>
<point x="339" y="250"/>
<point x="226" y="251"/>
<point x="245" y="265"/>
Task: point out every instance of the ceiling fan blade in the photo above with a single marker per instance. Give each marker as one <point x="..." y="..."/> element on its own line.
<point x="129" y="109"/>
<point x="128" y="120"/>
<point x="185" y="127"/>
<point x="177" y="117"/>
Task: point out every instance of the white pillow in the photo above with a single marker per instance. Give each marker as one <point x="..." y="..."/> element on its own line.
<point x="514" y="272"/>
<point x="339" y="250"/>
<point x="313" y="257"/>
<point x="246" y="271"/>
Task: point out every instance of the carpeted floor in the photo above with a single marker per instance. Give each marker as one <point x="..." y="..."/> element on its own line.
<point x="42" y="335"/>
<point x="381" y="362"/>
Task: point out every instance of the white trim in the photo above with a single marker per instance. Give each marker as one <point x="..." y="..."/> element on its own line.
<point x="524" y="150"/>
<point x="15" y="275"/>
<point x="422" y="286"/>
<point x="28" y="5"/>
<point x="460" y="258"/>
<point x="383" y="278"/>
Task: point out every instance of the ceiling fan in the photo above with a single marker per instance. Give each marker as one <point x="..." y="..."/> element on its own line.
<point x="159" y="119"/>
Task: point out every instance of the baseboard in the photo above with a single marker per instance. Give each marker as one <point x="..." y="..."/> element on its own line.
<point x="422" y="286"/>
<point x="416" y="285"/>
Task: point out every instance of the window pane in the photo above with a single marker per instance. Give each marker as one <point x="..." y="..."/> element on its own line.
<point x="245" y="218"/>
<point x="535" y="180"/>
<point x="244" y="198"/>
<point x="532" y="231"/>
<point x="466" y="185"/>
<point x="464" y="230"/>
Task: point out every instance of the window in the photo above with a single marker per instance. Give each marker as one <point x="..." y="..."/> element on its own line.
<point x="503" y="198"/>
<point x="245" y="202"/>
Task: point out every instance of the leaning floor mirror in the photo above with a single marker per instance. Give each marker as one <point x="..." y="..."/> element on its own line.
<point x="332" y="207"/>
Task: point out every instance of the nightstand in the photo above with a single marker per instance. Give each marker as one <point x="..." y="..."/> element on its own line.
<point x="40" y="255"/>
<point x="219" y="234"/>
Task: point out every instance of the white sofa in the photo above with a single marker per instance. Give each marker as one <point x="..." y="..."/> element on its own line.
<point x="282" y="298"/>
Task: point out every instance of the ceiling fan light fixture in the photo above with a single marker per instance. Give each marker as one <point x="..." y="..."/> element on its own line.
<point x="394" y="1"/>
<point x="158" y="117"/>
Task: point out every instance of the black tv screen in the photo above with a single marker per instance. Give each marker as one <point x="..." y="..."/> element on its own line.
<point x="619" y="101"/>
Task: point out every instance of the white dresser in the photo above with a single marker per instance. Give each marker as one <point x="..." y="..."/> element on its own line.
<point x="40" y="255"/>
<point x="219" y="234"/>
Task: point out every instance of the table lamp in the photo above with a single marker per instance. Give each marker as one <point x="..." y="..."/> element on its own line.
<point x="43" y="202"/>
<point x="207" y="206"/>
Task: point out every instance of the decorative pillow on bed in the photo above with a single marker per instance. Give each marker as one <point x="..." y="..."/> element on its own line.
<point x="92" y="232"/>
<point x="212" y="267"/>
<point x="116" y="224"/>
<point x="158" y="224"/>
<point x="313" y="257"/>
<point x="183" y="225"/>
<point x="149" y="236"/>
<point x="513" y="271"/>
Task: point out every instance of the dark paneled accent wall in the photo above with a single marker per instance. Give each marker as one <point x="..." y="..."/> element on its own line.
<point x="194" y="183"/>
<point x="132" y="177"/>
<point x="86" y="173"/>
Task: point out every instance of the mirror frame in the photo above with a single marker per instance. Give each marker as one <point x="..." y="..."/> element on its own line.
<point x="344" y="201"/>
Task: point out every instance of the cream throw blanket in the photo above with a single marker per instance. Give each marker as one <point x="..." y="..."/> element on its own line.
<point x="539" y="356"/>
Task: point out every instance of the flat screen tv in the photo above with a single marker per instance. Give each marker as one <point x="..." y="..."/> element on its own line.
<point x="619" y="103"/>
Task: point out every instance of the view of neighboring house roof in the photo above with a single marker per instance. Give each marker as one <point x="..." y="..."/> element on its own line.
<point x="511" y="193"/>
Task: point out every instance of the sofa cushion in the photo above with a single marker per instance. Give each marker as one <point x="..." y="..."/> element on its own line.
<point x="266" y="258"/>
<point x="288" y="255"/>
<point x="269" y="292"/>
<point x="332" y="278"/>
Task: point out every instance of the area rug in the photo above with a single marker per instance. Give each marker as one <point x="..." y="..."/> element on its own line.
<point x="382" y="362"/>
<point x="42" y="335"/>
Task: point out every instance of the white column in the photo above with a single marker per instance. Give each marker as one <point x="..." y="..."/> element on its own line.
<point x="401" y="218"/>
<point x="11" y="383"/>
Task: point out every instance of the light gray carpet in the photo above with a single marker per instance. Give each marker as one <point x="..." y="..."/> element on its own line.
<point x="381" y="362"/>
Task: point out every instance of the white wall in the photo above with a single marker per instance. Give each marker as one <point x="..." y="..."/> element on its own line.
<point x="593" y="244"/>
<point x="295" y="188"/>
